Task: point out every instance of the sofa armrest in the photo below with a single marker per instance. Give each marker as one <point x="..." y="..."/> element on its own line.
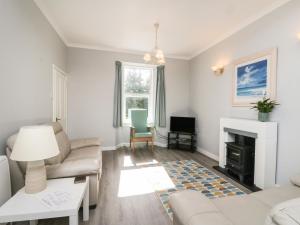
<point x="295" y="180"/>
<point x="210" y="218"/>
<point x="187" y="204"/>
<point x="73" y="168"/>
<point x="85" y="142"/>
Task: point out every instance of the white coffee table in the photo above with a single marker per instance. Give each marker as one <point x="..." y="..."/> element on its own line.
<point x="32" y="207"/>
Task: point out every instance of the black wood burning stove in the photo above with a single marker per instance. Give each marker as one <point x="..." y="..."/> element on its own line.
<point x="240" y="158"/>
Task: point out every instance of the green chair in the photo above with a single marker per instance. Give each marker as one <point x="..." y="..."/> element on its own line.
<point x="139" y="131"/>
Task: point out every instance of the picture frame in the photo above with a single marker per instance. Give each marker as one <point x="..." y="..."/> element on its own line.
<point x="254" y="77"/>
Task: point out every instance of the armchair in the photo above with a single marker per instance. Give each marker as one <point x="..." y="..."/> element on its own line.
<point x="139" y="131"/>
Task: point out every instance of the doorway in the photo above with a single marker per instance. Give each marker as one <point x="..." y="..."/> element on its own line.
<point x="59" y="80"/>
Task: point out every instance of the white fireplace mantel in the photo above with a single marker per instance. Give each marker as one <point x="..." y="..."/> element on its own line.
<point x="265" y="147"/>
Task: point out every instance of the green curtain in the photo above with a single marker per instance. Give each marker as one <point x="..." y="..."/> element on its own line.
<point x="160" y="103"/>
<point x="117" y="118"/>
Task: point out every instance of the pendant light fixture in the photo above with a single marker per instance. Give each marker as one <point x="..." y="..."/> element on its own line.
<point x="156" y="56"/>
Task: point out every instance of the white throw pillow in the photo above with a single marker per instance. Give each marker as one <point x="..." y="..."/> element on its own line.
<point x="285" y="213"/>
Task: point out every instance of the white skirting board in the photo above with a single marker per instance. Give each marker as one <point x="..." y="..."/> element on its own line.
<point x="201" y="150"/>
<point x="208" y="154"/>
<point x="112" y="148"/>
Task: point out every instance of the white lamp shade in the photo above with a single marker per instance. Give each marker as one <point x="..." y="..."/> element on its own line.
<point x="35" y="143"/>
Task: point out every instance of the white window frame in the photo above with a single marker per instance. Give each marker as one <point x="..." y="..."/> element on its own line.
<point x="151" y="99"/>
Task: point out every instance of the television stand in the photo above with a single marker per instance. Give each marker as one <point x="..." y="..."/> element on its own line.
<point x="182" y="141"/>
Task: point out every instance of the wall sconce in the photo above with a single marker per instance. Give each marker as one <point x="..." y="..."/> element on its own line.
<point x="298" y="35"/>
<point x="218" y="70"/>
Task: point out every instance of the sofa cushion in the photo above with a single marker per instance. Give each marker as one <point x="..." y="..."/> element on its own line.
<point x="242" y="210"/>
<point x="64" y="148"/>
<point x="74" y="168"/>
<point x="187" y="204"/>
<point x="212" y="218"/>
<point x="63" y="144"/>
<point x="285" y="213"/>
<point x="56" y="127"/>
<point x="93" y="152"/>
<point x="276" y="195"/>
<point x="11" y="141"/>
<point x="295" y="180"/>
<point x="85" y="142"/>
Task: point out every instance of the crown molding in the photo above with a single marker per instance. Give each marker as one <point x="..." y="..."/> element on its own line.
<point x="241" y="26"/>
<point x="119" y="50"/>
<point x="238" y="28"/>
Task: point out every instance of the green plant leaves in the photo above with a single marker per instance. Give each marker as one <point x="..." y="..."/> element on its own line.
<point x="266" y="105"/>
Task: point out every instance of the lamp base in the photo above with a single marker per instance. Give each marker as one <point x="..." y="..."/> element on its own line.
<point x="35" y="179"/>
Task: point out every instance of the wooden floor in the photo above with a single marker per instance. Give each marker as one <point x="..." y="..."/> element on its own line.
<point x="134" y="210"/>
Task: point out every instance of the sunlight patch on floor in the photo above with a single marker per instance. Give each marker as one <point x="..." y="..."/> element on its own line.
<point x="143" y="181"/>
<point x="129" y="163"/>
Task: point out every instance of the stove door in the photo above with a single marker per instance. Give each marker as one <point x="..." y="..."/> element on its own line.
<point x="234" y="155"/>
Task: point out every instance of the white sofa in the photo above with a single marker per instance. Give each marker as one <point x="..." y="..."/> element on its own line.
<point x="193" y="208"/>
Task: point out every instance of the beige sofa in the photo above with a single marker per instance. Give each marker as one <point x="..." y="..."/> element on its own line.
<point x="77" y="157"/>
<point x="193" y="208"/>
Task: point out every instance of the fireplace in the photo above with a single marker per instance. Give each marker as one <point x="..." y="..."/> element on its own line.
<point x="240" y="158"/>
<point x="262" y="136"/>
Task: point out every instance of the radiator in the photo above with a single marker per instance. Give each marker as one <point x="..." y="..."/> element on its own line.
<point x="5" y="186"/>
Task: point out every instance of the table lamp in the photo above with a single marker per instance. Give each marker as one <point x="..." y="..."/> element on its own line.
<point x="33" y="145"/>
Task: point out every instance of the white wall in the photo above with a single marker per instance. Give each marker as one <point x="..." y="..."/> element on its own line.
<point x="28" y="48"/>
<point x="91" y="89"/>
<point x="211" y="95"/>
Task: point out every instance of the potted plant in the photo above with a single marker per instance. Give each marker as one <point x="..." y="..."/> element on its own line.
<point x="264" y="107"/>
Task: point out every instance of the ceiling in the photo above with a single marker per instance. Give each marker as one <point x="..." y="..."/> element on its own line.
<point x="187" y="27"/>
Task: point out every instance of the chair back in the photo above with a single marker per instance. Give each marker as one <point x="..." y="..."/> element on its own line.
<point x="139" y="120"/>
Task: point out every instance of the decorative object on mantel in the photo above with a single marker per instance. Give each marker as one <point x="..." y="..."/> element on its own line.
<point x="156" y="56"/>
<point x="218" y="70"/>
<point x="33" y="145"/>
<point x="254" y="77"/>
<point x="264" y="107"/>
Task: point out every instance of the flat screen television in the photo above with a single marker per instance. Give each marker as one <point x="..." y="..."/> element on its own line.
<point x="182" y="124"/>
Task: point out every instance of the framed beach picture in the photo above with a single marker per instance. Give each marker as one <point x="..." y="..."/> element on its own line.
<point x="254" y="78"/>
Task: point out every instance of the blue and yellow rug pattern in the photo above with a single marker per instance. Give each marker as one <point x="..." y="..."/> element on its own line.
<point x="190" y="175"/>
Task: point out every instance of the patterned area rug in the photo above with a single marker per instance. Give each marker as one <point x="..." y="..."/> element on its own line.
<point x="188" y="174"/>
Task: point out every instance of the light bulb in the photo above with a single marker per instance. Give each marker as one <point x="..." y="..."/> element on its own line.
<point x="161" y="61"/>
<point x="147" y="57"/>
<point x="214" y="68"/>
<point x="159" y="54"/>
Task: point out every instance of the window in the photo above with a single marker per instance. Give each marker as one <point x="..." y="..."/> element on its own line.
<point x="138" y="90"/>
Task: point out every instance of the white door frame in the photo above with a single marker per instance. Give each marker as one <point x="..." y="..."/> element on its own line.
<point x="54" y="70"/>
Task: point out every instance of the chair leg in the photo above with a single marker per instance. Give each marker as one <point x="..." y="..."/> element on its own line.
<point x="152" y="146"/>
<point x="133" y="146"/>
<point x="130" y="142"/>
